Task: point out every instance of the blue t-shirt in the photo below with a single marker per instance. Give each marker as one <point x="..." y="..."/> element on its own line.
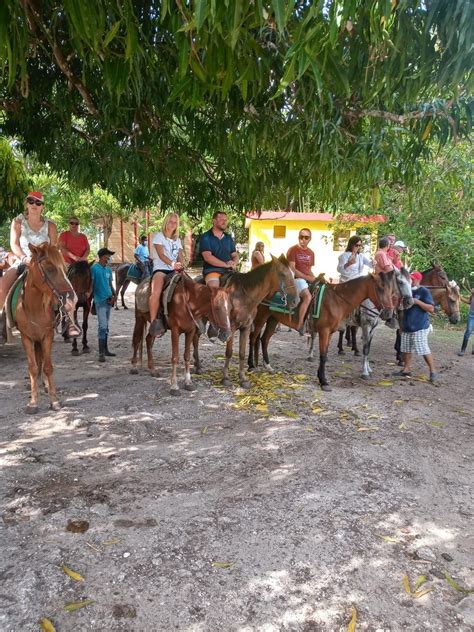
<point x="221" y="248"/>
<point x="101" y="280"/>
<point x="415" y="318"/>
<point x="142" y="252"/>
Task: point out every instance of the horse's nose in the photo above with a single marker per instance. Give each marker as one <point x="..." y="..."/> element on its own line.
<point x="386" y="313"/>
<point x="407" y="302"/>
<point x="454" y="319"/>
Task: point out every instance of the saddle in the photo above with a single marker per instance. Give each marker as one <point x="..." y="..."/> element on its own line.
<point x="12" y="299"/>
<point x="142" y="293"/>
<point x="224" y="279"/>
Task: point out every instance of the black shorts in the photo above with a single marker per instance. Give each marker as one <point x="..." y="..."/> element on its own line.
<point x="165" y="272"/>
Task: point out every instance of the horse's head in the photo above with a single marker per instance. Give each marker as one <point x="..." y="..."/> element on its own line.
<point x="449" y="298"/>
<point x="47" y="273"/>
<point x="286" y="280"/>
<point x="385" y="292"/>
<point x="220" y="312"/>
<point x="403" y="284"/>
<point x="435" y="276"/>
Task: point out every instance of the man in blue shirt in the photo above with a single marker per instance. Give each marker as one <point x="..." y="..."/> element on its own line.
<point x="218" y="250"/>
<point x="416" y="327"/>
<point x="142" y="256"/>
<point x="104" y="299"/>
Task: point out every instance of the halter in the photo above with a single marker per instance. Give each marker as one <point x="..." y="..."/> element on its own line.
<point x="60" y="296"/>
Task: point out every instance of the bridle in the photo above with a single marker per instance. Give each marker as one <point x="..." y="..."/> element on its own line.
<point x="61" y="297"/>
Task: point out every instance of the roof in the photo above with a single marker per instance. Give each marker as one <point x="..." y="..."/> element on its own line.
<point x="289" y="216"/>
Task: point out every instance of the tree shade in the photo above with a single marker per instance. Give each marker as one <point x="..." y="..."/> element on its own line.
<point x="236" y="102"/>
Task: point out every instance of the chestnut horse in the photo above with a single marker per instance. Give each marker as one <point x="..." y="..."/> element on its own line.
<point x="190" y="303"/>
<point x="80" y="277"/>
<point x="337" y="303"/>
<point x="46" y="291"/>
<point x="246" y="291"/>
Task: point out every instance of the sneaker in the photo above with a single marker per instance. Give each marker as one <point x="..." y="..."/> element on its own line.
<point x="433" y="378"/>
<point x="402" y="373"/>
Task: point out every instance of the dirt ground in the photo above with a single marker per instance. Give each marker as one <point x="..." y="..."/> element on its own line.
<point x="285" y="508"/>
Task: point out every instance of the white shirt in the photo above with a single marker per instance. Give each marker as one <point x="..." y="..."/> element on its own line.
<point x="355" y="270"/>
<point x="171" y="248"/>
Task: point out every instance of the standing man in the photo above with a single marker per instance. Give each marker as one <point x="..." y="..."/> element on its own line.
<point x="218" y="250"/>
<point x="73" y="244"/>
<point x="416" y="327"/>
<point x="382" y="261"/>
<point x="301" y="260"/>
<point x="104" y="299"/>
<point x="142" y="256"/>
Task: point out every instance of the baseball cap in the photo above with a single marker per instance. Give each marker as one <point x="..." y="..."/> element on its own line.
<point x="37" y="195"/>
<point x="416" y="276"/>
<point x="400" y="244"/>
<point x="104" y="251"/>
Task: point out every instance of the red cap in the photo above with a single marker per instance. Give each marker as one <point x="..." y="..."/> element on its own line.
<point x="37" y="195"/>
<point x="416" y="276"/>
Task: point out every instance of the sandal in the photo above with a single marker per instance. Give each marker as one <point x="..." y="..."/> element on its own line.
<point x="402" y="373"/>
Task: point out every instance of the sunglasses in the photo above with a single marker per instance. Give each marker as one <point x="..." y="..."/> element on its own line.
<point x="304" y="237"/>
<point x="34" y="201"/>
<point x="74" y="223"/>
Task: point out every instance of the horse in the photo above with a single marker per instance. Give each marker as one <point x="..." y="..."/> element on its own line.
<point x="338" y="302"/>
<point x="46" y="288"/>
<point x="189" y="304"/>
<point x="80" y="277"/>
<point x="122" y="280"/>
<point x="246" y="291"/>
<point x="444" y="293"/>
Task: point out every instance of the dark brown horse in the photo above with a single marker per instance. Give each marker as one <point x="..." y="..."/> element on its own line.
<point x="191" y="302"/>
<point x="122" y="280"/>
<point x="80" y="277"/>
<point x="246" y="292"/>
<point x="40" y="306"/>
<point x="337" y="303"/>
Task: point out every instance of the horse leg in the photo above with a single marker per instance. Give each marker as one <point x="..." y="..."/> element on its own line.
<point x="122" y="292"/>
<point x="188" y="384"/>
<point x="74" y="350"/>
<point x="174" y="390"/>
<point x="29" y="347"/>
<point x="254" y="341"/>
<point x="310" y="357"/>
<point x="348" y="336"/>
<point x="228" y="357"/>
<point x="197" y="360"/>
<point x="243" y="342"/>
<point x="339" y="342"/>
<point x="354" y="340"/>
<point x="397" y="346"/>
<point x="45" y="350"/>
<point x="324" y="338"/>
<point x="270" y="329"/>
<point x="137" y="340"/>
<point x="150" y="340"/>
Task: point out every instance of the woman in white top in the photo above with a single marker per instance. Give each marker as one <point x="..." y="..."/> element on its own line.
<point x="168" y="257"/>
<point x="30" y="227"/>
<point x="352" y="261"/>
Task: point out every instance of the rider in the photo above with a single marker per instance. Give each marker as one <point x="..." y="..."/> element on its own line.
<point x="73" y="244"/>
<point x="301" y="260"/>
<point x="395" y="252"/>
<point x="31" y="227"/>
<point x="258" y="257"/>
<point x="382" y="260"/>
<point x="352" y="262"/>
<point x="218" y="250"/>
<point x="142" y="256"/>
<point x="168" y="257"/>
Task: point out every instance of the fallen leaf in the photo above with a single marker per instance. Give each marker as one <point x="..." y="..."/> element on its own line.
<point x="204" y="430"/>
<point x="72" y="574"/>
<point x="352" y="623"/>
<point x="455" y="585"/>
<point x="300" y="377"/>
<point x="96" y="548"/>
<point x="406" y="584"/>
<point x="373" y="417"/>
<point x="289" y="413"/>
<point x="47" y="626"/>
<point x="77" y="605"/>
<point x="223" y="564"/>
<point x="437" y="424"/>
<point x="77" y="526"/>
<point x="309" y="429"/>
<point x="109" y="542"/>
<point x="317" y="410"/>
<point x="262" y="407"/>
<point x="403" y="426"/>
<point x="367" y="428"/>
<point x="398" y="401"/>
<point x="388" y="538"/>
<point x="385" y="383"/>
<point x="422" y="593"/>
<point x="419" y="582"/>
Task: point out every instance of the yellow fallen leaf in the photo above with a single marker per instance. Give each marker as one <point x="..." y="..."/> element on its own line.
<point x="77" y="605"/>
<point x="223" y="564"/>
<point x="289" y="413"/>
<point x="388" y="538"/>
<point x="72" y="574"/>
<point x="109" y="542"/>
<point x="422" y="378"/>
<point x="373" y="417"/>
<point x="309" y="429"/>
<point x="47" y="626"/>
<point x="422" y="593"/>
<point x="300" y="377"/>
<point x="352" y="623"/>
<point x="419" y="582"/>
<point x="403" y="426"/>
<point x="455" y="585"/>
<point x="437" y="424"/>
<point x="398" y="401"/>
<point x="385" y="383"/>
<point x="406" y="584"/>
<point x="262" y="407"/>
<point x="317" y="410"/>
<point x="204" y="430"/>
<point x="367" y="428"/>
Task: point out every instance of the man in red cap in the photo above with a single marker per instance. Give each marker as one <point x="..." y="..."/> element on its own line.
<point x="416" y="327"/>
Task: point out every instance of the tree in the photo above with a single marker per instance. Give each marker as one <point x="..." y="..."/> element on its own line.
<point x="242" y="102"/>
<point x="14" y="181"/>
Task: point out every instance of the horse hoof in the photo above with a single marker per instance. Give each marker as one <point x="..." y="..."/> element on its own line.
<point x="31" y="410"/>
<point x="189" y="387"/>
<point x="310" y="359"/>
<point x="86" y="349"/>
<point x="75" y="352"/>
<point x="357" y="353"/>
<point x="198" y="371"/>
<point x="268" y="367"/>
<point x="67" y="340"/>
<point x="125" y="307"/>
<point x="365" y="377"/>
<point x="226" y="382"/>
<point x="400" y="363"/>
<point x="154" y="373"/>
<point x="134" y="371"/>
<point x="245" y="384"/>
<point x="341" y="352"/>
<point x="55" y="406"/>
<point x="175" y="392"/>
<point x="326" y="387"/>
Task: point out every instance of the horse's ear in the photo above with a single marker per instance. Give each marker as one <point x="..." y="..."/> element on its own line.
<point x="283" y="259"/>
<point x="35" y="250"/>
<point x="273" y="258"/>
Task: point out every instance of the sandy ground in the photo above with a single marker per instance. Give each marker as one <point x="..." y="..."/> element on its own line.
<point x="286" y="509"/>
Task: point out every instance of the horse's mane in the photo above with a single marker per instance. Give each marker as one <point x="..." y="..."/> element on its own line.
<point x="80" y="267"/>
<point x="254" y="278"/>
<point x="52" y="254"/>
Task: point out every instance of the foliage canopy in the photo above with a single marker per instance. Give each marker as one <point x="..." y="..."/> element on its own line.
<point x="237" y="102"/>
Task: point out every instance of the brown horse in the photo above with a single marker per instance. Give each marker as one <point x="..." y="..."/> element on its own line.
<point x="337" y="303"/>
<point x="246" y="292"/>
<point x="191" y="302"/>
<point x="79" y="274"/>
<point x="122" y="280"/>
<point x="46" y="289"/>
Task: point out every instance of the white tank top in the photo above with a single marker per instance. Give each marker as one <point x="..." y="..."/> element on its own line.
<point x="30" y="236"/>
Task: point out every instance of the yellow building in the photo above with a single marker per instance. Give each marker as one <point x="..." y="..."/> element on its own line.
<point x="279" y="230"/>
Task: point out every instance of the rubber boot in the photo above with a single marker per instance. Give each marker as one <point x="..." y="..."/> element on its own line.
<point x="463" y="348"/>
<point x="107" y="353"/>
<point x="101" y="350"/>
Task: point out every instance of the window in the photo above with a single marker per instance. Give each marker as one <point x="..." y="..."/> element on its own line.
<point x="340" y="239"/>
<point x="279" y="232"/>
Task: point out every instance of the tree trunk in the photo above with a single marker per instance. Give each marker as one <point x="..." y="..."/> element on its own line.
<point x="107" y="225"/>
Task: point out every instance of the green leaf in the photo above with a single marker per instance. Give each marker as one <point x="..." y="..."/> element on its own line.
<point x="200" y="13"/>
<point x="279" y="11"/>
<point x="112" y="33"/>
